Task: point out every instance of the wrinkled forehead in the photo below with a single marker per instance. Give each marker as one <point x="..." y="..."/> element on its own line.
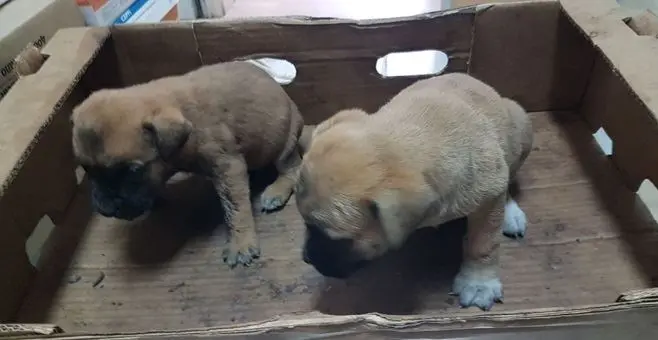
<point x="108" y="147"/>
<point x="337" y="220"/>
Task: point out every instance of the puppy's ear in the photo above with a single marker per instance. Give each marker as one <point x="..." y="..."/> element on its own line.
<point x="341" y="116"/>
<point x="169" y="132"/>
<point x="398" y="213"/>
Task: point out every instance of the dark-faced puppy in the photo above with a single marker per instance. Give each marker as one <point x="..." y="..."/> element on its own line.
<point x="443" y="148"/>
<point x="218" y="121"/>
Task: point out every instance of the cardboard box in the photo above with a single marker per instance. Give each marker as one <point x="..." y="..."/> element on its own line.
<point x="589" y="259"/>
<point x="149" y="11"/>
<point x="25" y="21"/>
<point x="102" y="12"/>
<point x="216" y="8"/>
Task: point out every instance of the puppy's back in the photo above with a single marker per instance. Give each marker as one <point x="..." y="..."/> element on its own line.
<point x="448" y="117"/>
<point x="449" y="91"/>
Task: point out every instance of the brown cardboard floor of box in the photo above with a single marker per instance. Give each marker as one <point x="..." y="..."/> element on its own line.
<point x="155" y="274"/>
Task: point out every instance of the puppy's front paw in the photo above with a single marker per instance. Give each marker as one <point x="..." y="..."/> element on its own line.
<point x="276" y="195"/>
<point x="477" y="290"/>
<point x="514" y="224"/>
<point x="241" y="252"/>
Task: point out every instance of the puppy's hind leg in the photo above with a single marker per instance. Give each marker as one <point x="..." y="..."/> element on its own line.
<point x="277" y="194"/>
<point x="478" y="282"/>
<point x="514" y="225"/>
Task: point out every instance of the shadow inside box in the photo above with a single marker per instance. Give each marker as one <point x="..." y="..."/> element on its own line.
<point x="189" y="208"/>
<point x="399" y="282"/>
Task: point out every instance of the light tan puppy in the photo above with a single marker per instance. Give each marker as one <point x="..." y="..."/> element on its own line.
<point x="218" y="121"/>
<point x="443" y="148"/>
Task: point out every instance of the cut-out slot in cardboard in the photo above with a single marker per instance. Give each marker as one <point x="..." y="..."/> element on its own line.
<point x="35" y="243"/>
<point x="29" y="61"/>
<point x="603" y="140"/>
<point x="414" y="63"/>
<point x="79" y="174"/>
<point x="283" y="71"/>
<point x="649" y="195"/>
<point x="644" y="23"/>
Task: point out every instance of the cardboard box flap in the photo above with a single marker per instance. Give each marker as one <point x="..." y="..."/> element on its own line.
<point x="633" y="86"/>
<point x="35" y="136"/>
<point x="28" y="108"/>
<point x="604" y="22"/>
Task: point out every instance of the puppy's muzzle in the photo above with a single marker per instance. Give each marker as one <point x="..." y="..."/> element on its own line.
<point x="126" y="203"/>
<point x="331" y="258"/>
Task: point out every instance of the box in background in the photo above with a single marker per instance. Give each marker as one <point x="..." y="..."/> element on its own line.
<point x="149" y="11"/>
<point x="102" y="12"/>
<point x="25" y="21"/>
<point x="216" y="8"/>
<point x="189" y="10"/>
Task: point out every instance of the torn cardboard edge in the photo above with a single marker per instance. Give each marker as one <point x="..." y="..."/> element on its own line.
<point x="13" y="330"/>
<point x="639" y="305"/>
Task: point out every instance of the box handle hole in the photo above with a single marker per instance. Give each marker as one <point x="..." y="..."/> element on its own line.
<point x="79" y="174"/>
<point x="283" y="71"/>
<point x="34" y="245"/>
<point x="603" y="140"/>
<point x="649" y="195"/>
<point x="412" y="63"/>
<point x="29" y="61"/>
<point x="644" y="24"/>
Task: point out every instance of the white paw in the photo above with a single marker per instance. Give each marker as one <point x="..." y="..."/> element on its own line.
<point x="476" y="289"/>
<point x="514" y="224"/>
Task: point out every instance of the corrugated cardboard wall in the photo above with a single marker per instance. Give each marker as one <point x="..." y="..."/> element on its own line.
<point x="37" y="166"/>
<point x="336" y="64"/>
